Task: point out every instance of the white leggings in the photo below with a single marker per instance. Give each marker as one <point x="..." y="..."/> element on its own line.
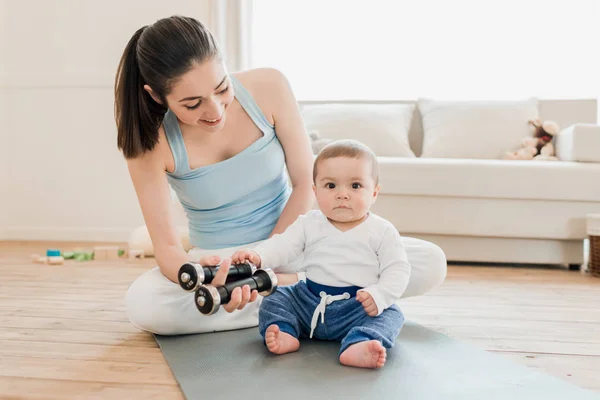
<point x="158" y="305"/>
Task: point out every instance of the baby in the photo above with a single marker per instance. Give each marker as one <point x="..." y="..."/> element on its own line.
<point x="355" y="263"/>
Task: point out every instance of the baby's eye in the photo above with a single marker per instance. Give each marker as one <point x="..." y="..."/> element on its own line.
<point x="330" y="185"/>
<point x="356" y="185"/>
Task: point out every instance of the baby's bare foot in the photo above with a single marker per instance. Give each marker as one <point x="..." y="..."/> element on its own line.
<point x="370" y="354"/>
<point x="280" y="342"/>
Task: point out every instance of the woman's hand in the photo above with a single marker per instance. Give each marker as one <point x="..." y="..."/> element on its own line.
<point x="241" y="256"/>
<point x="239" y="296"/>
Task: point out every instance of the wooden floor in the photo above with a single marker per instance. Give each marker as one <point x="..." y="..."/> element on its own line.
<point x="64" y="333"/>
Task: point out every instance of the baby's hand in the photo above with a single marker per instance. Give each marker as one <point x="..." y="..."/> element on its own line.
<point x="367" y="302"/>
<point x="241" y="256"/>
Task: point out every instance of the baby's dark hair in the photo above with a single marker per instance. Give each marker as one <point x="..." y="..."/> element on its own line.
<point x="156" y="55"/>
<point x="351" y="149"/>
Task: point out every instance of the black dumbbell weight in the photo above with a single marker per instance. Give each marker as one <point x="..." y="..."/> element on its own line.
<point x="192" y="275"/>
<point x="209" y="298"/>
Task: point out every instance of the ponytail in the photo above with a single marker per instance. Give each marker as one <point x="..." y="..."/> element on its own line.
<point x="138" y="117"/>
<point x="157" y="55"/>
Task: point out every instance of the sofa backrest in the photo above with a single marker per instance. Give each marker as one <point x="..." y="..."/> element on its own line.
<point x="564" y="112"/>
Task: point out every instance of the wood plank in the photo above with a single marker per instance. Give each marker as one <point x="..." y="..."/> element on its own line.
<point x="577" y="370"/>
<point x="140" y="339"/>
<point x="89" y="304"/>
<point x="99" y="314"/>
<point x="69" y="324"/>
<point x="89" y="278"/>
<point x="467" y="300"/>
<point x="78" y="351"/>
<point x="535" y="292"/>
<point x="87" y="370"/>
<point x="503" y="311"/>
<point x="27" y="291"/>
<point x="14" y="295"/>
<point x="586" y="332"/>
<point x="47" y="389"/>
<point x="76" y="275"/>
<point x="61" y="326"/>
<point x="525" y="346"/>
<point x="96" y="268"/>
<point x="28" y="282"/>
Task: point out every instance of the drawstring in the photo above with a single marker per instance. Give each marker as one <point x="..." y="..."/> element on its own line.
<point x="325" y="301"/>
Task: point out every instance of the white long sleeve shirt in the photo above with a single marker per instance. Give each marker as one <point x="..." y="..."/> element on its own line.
<point x="370" y="255"/>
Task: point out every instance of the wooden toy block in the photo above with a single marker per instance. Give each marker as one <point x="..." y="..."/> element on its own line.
<point x="112" y="253"/>
<point x="54" y="257"/>
<point x="84" y="256"/>
<point x="109" y="253"/>
<point x="78" y="255"/>
<point x="37" y="259"/>
<point x="100" y="253"/>
<point x="136" y="254"/>
<point x="56" y="260"/>
<point x="51" y="260"/>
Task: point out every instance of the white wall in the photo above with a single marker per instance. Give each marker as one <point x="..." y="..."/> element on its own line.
<point x="4" y="192"/>
<point x="68" y="180"/>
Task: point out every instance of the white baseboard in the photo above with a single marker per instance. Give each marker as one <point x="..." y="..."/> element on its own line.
<point x="116" y="235"/>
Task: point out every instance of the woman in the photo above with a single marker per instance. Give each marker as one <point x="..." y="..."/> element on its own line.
<point x="229" y="145"/>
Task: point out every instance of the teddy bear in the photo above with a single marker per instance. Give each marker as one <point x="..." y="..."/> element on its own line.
<point x="544" y="132"/>
<point x="526" y="151"/>
<point x="539" y="146"/>
<point x="317" y="142"/>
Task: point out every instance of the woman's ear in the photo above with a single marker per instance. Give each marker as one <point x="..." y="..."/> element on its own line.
<point x="152" y="94"/>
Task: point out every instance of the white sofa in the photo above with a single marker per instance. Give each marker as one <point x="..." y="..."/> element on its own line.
<point x="477" y="209"/>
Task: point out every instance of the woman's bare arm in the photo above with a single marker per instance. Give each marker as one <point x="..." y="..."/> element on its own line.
<point x="148" y="173"/>
<point x="280" y="103"/>
<point x="296" y="145"/>
<point x="151" y="186"/>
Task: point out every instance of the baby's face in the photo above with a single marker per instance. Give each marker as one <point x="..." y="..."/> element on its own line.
<point x="345" y="188"/>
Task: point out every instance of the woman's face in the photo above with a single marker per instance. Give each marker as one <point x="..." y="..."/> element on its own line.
<point x="201" y="96"/>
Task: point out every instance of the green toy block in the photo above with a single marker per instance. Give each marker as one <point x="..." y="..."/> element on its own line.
<point x="78" y="255"/>
<point x="82" y="256"/>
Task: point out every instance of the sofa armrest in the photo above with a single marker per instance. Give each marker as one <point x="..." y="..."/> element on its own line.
<point x="579" y="142"/>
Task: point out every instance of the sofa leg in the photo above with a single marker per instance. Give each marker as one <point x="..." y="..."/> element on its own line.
<point x="574" y="267"/>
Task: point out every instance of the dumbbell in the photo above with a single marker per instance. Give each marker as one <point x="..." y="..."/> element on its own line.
<point x="209" y="298"/>
<point x="191" y="275"/>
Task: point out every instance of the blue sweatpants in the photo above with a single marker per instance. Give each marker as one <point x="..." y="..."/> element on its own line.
<point x="292" y="307"/>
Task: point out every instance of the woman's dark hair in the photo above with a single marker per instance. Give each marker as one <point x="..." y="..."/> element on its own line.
<point x="157" y="55"/>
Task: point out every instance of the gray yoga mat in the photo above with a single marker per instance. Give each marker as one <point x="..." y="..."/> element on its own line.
<point x="424" y="364"/>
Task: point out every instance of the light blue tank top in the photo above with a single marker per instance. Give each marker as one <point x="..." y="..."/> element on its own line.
<point x="236" y="201"/>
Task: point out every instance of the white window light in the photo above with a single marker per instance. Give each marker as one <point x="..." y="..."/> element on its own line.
<point x="463" y="49"/>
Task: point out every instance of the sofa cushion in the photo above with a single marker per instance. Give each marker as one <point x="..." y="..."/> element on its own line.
<point x="579" y="142"/>
<point x="515" y="179"/>
<point x="382" y="127"/>
<point x="474" y="129"/>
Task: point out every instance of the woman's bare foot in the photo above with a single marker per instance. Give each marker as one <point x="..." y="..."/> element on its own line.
<point x="280" y="342"/>
<point x="370" y="354"/>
